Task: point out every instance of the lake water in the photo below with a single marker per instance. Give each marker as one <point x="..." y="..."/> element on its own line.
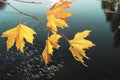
<point x="102" y="17"/>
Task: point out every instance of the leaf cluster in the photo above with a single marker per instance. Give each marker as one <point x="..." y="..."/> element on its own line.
<point x="56" y="18"/>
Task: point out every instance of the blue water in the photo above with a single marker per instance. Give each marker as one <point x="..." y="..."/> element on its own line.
<point x="88" y="15"/>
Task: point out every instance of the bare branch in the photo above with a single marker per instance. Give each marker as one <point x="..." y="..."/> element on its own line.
<point x="28" y="2"/>
<point x="36" y="18"/>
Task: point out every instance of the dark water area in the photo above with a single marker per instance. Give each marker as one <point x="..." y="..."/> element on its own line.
<point x="102" y="17"/>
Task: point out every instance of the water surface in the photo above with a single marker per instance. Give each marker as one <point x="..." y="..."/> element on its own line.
<point x="102" y="17"/>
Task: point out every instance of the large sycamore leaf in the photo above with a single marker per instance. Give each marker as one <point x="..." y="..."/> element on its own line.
<point x="56" y="16"/>
<point x="18" y="34"/>
<point x="51" y="42"/>
<point x="79" y="44"/>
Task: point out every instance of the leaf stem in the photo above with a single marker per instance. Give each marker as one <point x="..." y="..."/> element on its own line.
<point x="48" y="34"/>
<point x="65" y="37"/>
<point x="21" y="14"/>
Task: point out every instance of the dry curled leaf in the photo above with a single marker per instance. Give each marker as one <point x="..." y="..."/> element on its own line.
<point x="79" y="44"/>
<point x="56" y="16"/>
<point x="18" y="34"/>
<point x="51" y="42"/>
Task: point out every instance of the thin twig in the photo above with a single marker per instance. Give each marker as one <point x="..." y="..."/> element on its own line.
<point x="28" y="2"/>
<point x="36" y="18"/>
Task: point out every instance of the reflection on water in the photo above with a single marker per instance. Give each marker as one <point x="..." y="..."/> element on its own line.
<point x="108" y="6"/>
<point x="112" y="11"/>
<point x="117" y="38"/>
<point x="27" y="66"/>
<point x="2" y="5"/>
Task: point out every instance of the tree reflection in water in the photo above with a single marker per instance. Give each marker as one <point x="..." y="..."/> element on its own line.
<point x="2" y="5"/>
<point x="111" y="9"/>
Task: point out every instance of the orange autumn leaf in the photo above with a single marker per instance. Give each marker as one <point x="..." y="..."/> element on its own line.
<point x="56" y="16"/>
<point x="51" y="42"/>
<point x="79" y="44"/>
<point x="18" y="34"/>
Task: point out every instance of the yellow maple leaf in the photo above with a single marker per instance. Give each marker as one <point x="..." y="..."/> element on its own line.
<point x="79" y="44"/>
<point x="47" y="51"/>
<point x="51" y="42"/>
<point x="56" y="16"/>
<point x="17" y="34"/>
